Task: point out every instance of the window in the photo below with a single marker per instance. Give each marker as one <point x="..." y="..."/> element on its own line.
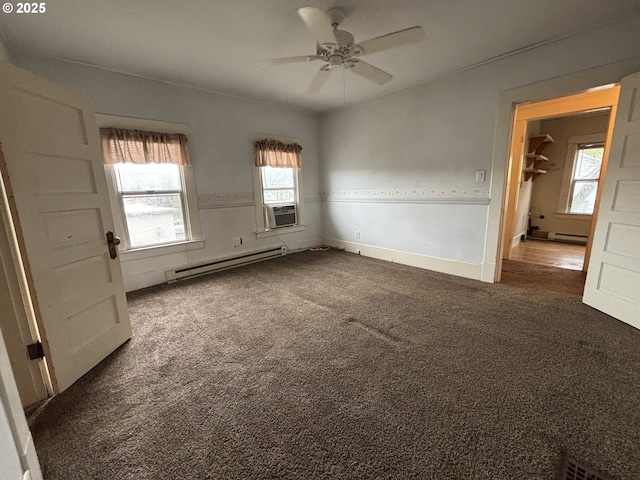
<point x="580" y="177"/>
<point x="584" y="180"/>
<point x="149" y="177"/>
<point x="152" y="202"/>
<point x="277" y="185"/>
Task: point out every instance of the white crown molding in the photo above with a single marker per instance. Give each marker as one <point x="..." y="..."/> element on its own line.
<point x="466" y="195"/>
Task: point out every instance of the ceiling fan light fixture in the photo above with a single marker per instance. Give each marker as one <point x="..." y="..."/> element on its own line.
<point x="336" y="60"/>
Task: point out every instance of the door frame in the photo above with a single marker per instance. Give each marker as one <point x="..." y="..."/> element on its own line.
<point x="508" y="99"/>
<point x="606" y="98"/>
<point x="22" y="314"/>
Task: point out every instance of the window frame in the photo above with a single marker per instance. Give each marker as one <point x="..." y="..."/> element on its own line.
<point x="193" y="231"/>
<point x="262" y="230"/>
<point x="263" y="189"/>
<point x="567" y="186"/>
<point x="123" y="194"/>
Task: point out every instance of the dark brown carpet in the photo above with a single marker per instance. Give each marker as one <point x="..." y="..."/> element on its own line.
<point x="328" y="365"/>
<point x="543" y="277"/>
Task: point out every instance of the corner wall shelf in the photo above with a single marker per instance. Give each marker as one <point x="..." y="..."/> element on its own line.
<point x="534" y="159"/>
<point x="532" y="174"/>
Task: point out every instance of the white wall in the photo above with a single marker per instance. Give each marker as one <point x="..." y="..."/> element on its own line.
<point x="546" y="190"/>
<point x="220" y="151"/>
<point x="424" y="144"/>
<point x="399" y="169"/>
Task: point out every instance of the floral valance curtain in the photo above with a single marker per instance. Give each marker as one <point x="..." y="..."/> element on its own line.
<point x="271" y="153"/>
<point x="136" y="146"/>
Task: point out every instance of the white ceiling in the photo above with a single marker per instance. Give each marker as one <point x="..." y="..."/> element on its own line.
<point x="211" y="44"/>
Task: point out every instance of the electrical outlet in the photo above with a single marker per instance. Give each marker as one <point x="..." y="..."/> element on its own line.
<point x="237" y="241"/>
<point x="480" y="175"/>
<point x="357" y="234"/>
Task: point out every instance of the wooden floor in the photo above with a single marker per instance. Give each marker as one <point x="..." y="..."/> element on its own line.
<point x="555" y="254"/>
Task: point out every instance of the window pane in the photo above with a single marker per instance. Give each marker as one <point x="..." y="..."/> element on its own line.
<point x="277" y="177"/>
<point x="279" y="196"/>
<point x="133" y="177"/>
<point x="588" y="163"/>
<point x="154" y="219"/>
<point x="584" y="196"/>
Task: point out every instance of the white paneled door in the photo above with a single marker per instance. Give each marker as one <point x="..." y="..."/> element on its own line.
<point x="61" y="208"/>
<point x="613" y="278"/>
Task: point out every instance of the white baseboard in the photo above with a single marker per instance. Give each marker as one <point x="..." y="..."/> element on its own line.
<point x="515" y="241"/>
<point x="452" y="267"/>
<point x="568" y="237"/>
<point x="488" y="272"/>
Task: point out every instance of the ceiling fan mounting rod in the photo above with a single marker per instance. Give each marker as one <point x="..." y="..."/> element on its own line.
<point x="336" y="15"/>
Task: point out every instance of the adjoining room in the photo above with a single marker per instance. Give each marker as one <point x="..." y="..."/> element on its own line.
<point x="320" y="239"/>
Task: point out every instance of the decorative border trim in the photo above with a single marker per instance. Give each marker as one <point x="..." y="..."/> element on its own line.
<point x="312" y="197"/>
<point x="464" y="195"/>
<point x="226" y="200"/>
<point x="443" y="265"/>
<point x="242" y="199"/>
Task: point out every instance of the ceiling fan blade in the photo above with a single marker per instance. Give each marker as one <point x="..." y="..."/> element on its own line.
<point x="392" y="40"/>
<point x="285" y="60"/>
<point x="318" y="80"/>
<point x="370" y="72"/>
<point x="319" y="24"/>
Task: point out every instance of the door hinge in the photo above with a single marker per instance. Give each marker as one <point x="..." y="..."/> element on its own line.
<point x="35" y="351"/>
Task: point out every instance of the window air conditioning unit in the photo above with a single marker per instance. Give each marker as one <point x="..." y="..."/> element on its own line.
<point x="280" y="216"/>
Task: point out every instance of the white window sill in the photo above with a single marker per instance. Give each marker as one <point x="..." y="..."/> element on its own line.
<point x="159" y="250"/>
<point x="280" y="231"/>
<point x="573" y="216"/>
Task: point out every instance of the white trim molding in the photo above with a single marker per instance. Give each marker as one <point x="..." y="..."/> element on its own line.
<point x="161" y="250"/>
<point x="461" y="195"/>
<point x="443" y="265"/>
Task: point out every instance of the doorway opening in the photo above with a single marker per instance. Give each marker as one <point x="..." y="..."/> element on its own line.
<point x="553" y="186"/>
<point x="556" y="204"/>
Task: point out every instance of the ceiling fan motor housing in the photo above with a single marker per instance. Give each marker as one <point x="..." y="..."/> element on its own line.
<point x="337" y="54"/>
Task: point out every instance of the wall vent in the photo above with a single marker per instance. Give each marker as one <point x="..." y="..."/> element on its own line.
<point x="571" y="469"/>
<point x="198" y="269"/>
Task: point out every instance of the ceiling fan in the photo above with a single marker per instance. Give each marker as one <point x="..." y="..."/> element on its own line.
<point x="337" y="47"/>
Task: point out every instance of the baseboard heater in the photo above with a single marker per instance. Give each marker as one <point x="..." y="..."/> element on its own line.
<point x="224" y="264"/>
<point x="565" y="237"/>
